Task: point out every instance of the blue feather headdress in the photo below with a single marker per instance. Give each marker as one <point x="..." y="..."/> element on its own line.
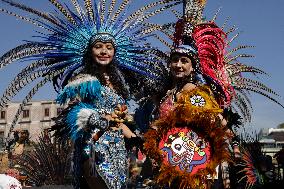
<point x="67" y="35"/>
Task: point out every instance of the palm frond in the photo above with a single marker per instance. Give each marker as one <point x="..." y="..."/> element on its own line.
<point x="49" y="163"/>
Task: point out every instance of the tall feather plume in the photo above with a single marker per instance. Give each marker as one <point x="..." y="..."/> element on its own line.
<point x="230" y="59"/>
<point x="249" y="82"/>
<point x="193" y="11"/>
<point x="25" y="19"/>
<point x="163" y="41"/>
<point x="120" y="9"/>
<point x="16" y="86"/>
<point x="23" y="51"/>
<point x="233" y="38"/>
<point x="111" y="8"/>
<point x="155" y="12"/>
<point x="216" y="15"/>
<point x="168" y="30"/>
<point x="231" y="30"/>
<point x="63" y="11"/>
<point x="103" y="10"/>
<point x="150" y="27"/>
<point x="256" y="90"/>
<point x="89" y="8"/>
<point x="17" y="81"/>
<point x="137" y="13"/>
<point x="245" y="95"/>
<point x="236" y="68"/>
<point x="28" y="98"/>
<point x="244" y="105"/>
<point x="225" y="23"/>
<point x="25" y="77"/>
<point x="237" y="49"/>
<point x="31" y="10"/>
<point x="78" y="8"/>
<point x="177" y="14"/>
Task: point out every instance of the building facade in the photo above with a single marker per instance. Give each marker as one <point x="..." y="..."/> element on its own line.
<point x="35" y="118"/>
<point x="272" y="140"/>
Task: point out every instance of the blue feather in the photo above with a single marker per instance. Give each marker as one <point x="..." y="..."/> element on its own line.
<point x="85" y="90"/>
<point x="72" y="117"/>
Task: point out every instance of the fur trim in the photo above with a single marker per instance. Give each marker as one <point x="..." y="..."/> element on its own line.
<point x="83" y="117"/>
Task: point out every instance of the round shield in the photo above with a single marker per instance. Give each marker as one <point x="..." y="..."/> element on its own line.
<point x="185" y="150"/>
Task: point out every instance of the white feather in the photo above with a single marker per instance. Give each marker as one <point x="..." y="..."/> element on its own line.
<point x="83" y="117"/>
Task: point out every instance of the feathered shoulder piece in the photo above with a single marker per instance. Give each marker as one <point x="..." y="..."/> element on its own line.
<point x="197" y="106"/>
<point x="191" y="106"/>
<point x="83" y="86"/>
<point x="200" y="97"/>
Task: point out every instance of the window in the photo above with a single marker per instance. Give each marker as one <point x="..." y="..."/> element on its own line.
<point x="3" y="115"/>
<point x="46" y="112"/>
<point x="269" y="145"/>
<point x="1" y="140"/>
<point x="59" y="110"/>
<point x="26" y="113"/>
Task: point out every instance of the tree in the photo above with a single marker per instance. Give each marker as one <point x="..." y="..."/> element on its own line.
<point x="280" y="126"/>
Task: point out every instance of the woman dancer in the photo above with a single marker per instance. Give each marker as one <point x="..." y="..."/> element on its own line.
<point x="97" y="57"/>
<point x="191" y="138"/>
<point x="190" y="131"/>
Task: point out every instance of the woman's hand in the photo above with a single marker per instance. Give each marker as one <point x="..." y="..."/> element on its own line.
<point x="125" y="130"/>
<point x="119" y="115"/>
<point x="117" y="119"/>
<point x="108" y="117"/>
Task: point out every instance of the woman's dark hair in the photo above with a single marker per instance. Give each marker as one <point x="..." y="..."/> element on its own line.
<point x="116" y="77"/>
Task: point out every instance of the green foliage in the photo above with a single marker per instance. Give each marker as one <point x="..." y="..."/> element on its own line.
<point x="280" y="126"/>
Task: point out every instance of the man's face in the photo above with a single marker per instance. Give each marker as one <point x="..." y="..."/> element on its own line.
<point x="23" y="135"/>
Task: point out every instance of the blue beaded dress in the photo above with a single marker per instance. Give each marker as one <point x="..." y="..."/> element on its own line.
<point x="82" y="118"/>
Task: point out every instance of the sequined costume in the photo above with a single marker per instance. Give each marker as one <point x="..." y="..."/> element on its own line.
<point x="108" y="153"/>
<point x="61" y="54"/>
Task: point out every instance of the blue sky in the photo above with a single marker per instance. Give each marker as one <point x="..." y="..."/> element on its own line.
<point x="260" y="21"/>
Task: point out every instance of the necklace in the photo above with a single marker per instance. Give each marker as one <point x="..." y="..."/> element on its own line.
<point x="107" y="80"/>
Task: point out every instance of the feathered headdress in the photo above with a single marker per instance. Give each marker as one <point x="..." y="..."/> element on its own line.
<point x="208" y="45"/>
<point x="67" y="35"/>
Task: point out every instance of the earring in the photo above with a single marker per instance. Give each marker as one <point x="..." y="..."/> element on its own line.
<point x="191" y="78"/>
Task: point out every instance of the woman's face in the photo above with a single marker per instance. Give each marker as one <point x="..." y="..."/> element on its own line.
<point x="102" y="53"/>
<point x="180" y="66"/>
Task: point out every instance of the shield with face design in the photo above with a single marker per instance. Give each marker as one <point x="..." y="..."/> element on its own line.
<point x="185" y="150"/>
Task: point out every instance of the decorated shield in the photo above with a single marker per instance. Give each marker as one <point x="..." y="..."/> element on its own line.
<point x="185" y="150"/>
